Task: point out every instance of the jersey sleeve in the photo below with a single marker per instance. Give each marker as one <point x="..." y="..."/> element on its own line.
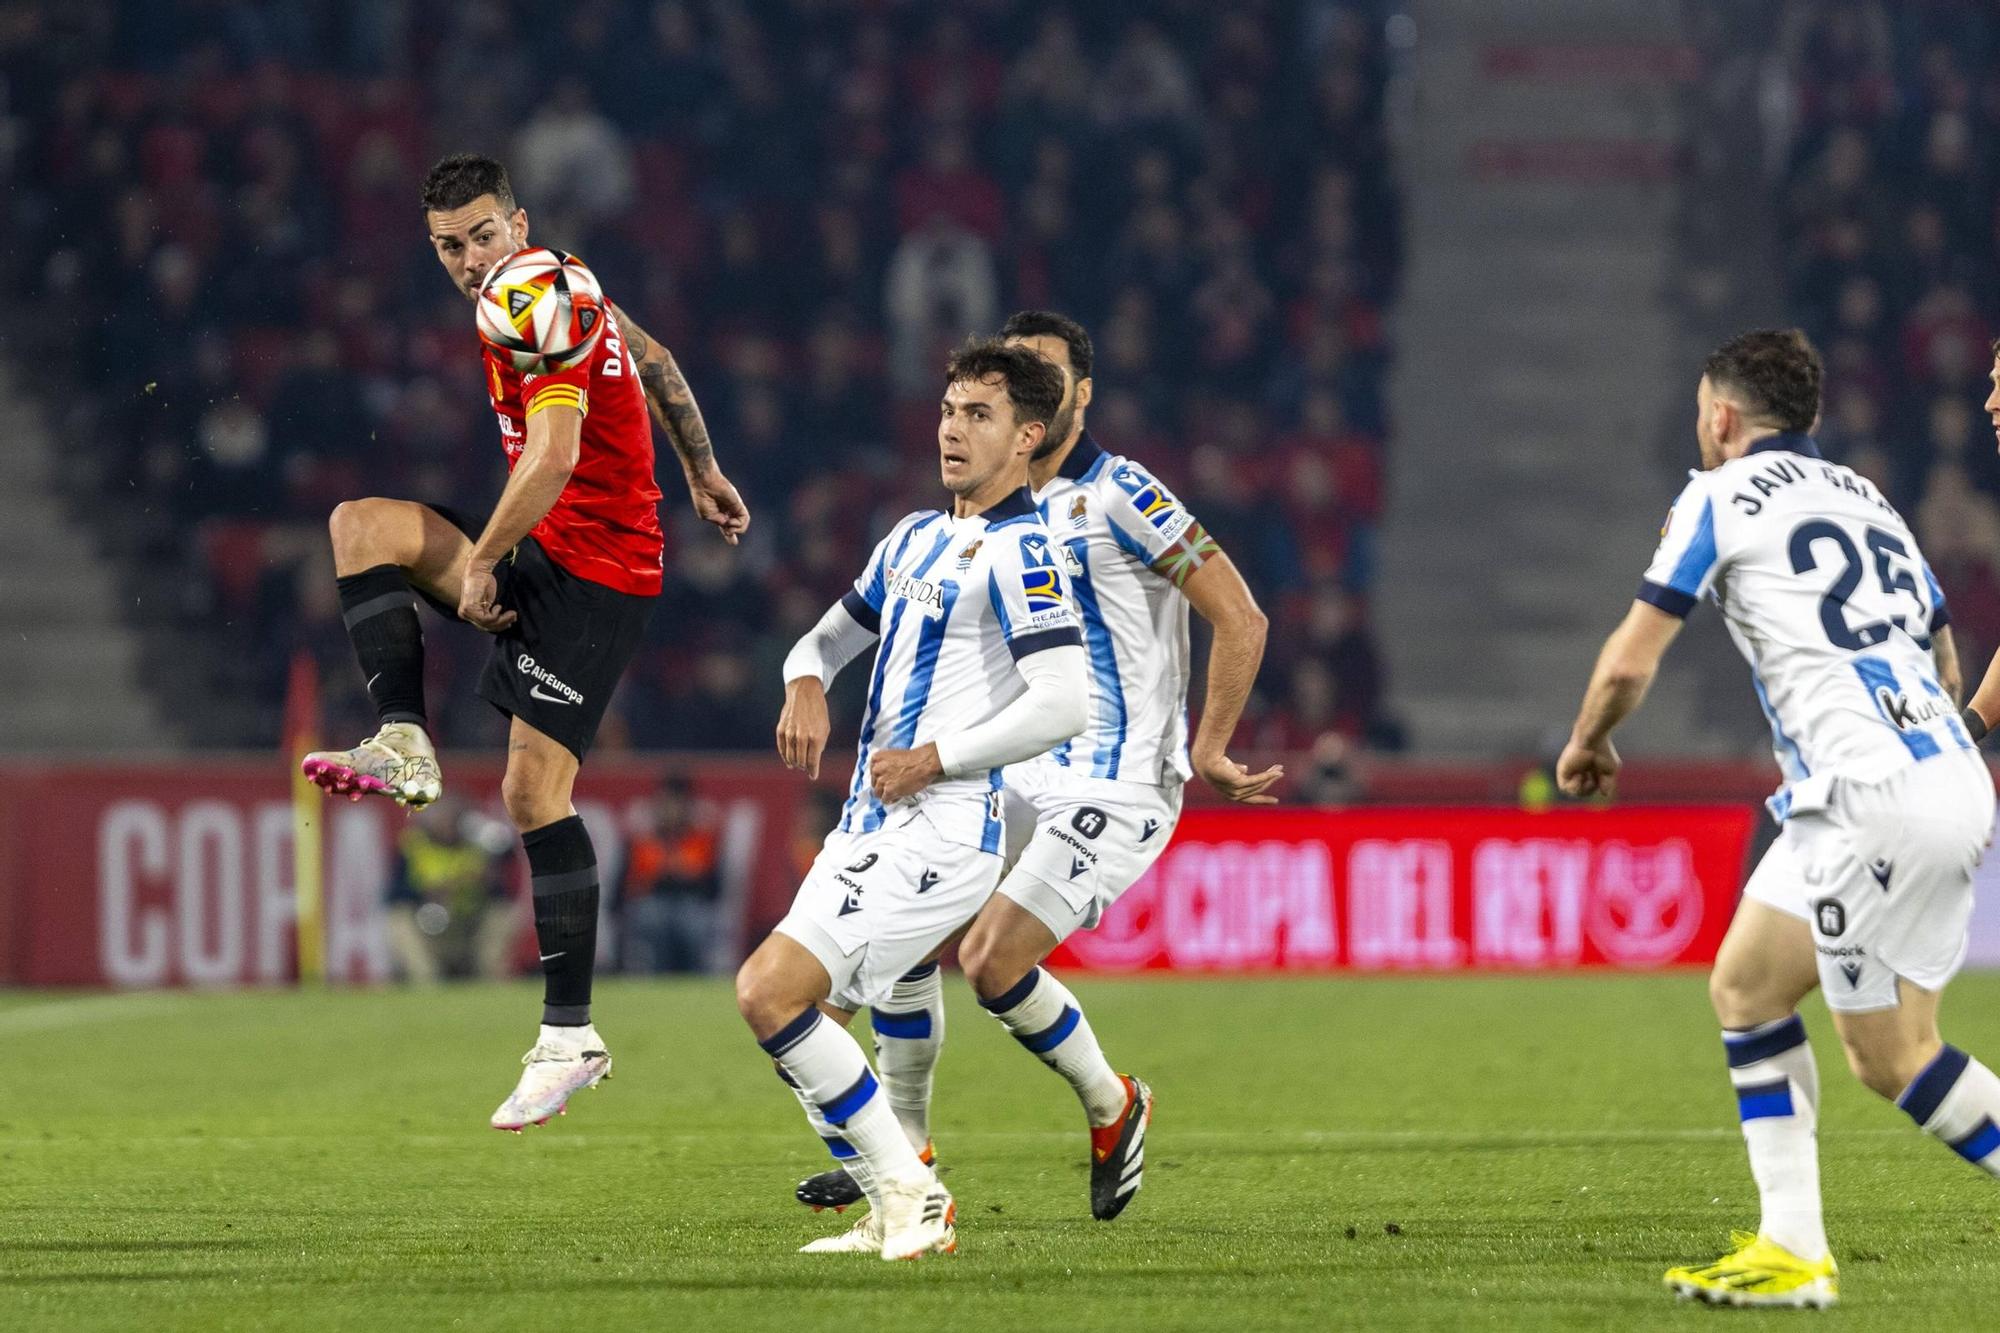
<point x="1940" y="611"/>
<point x="1686" y="563"/>
<point x="1152" y="526"/>
<point x="864" y="600"/>
<point x="1030" y="594"/>
<point x="565" y="388"/>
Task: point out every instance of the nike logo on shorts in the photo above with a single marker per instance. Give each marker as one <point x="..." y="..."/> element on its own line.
<point x="536" y="692"/>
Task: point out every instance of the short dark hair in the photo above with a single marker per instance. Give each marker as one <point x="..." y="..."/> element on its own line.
<point x="1777" y="369"/>
<point x="462" y="178"/>
<point x="1034" y="385"/>
<point x="1049" y="324"/>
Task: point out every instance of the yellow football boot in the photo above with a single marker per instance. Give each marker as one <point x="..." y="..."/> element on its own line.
<point x="1759" y="1272"/>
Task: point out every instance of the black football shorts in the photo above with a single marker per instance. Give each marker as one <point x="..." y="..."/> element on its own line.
<point x="556" y="666"/>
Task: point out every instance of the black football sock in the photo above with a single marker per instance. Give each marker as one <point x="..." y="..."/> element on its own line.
<point x="563" y="867"/>
<point x="381" y="616"/>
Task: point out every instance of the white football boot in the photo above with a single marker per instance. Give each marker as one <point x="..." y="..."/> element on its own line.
<point x="397" y="762"/>
<point x="566" y="1060"/>
<point x="917" y="1218"/>
<point x="864" y="1237"/>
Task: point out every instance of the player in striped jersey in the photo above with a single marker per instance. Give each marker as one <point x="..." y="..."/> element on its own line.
<point x="1089" y="818"/>
<point x="980" y="664"/>
<point x="1886" y="806"/>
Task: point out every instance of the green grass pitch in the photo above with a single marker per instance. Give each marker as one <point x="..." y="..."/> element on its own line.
<point x="1405" y="1153"/>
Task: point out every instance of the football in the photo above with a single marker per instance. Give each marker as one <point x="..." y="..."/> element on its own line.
<point x="540" y="310"/>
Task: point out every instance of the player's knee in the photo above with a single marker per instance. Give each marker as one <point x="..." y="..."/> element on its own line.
<point x="1725" y="996"/>
<point x="975" y="960"/>
<point x="352" y="528"/>
<point x="764" y="999"/>
<point x="988" y="969"/>
<point x="749" y="992"/>
<point x="1739" y="1003"/>
<point x="531" y="798"/>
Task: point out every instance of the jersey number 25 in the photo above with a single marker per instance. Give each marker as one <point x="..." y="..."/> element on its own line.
<point x="1892" y="572"/>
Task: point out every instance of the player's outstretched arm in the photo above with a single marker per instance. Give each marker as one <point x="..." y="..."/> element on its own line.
<point x="673" y="407"/>
<point x="1624" y="672"/>
<point x="1218" y="592"/>
<point x="548" y="456"/>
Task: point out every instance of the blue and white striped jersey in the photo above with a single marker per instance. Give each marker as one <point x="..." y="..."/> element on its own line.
<point x="957" y="601"/>
<point x="1128" y="546"/>
<point x="1827" y="596"/>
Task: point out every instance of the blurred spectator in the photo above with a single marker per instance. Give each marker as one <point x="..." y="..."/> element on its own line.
<point x="941" y="285"/>
<point x="673" y="885"/>
<point x="448" y="910"/>
<point x="571" y="161"/>
<point x="1330" y="780"/>
<point x="818" y="812"/>
<point x="1146" y="83"/>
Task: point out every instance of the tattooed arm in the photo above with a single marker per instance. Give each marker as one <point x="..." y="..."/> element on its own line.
<point x="673" y="407"/>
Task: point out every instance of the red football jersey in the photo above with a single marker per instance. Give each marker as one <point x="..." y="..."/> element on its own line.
<point x="605" y="526"/>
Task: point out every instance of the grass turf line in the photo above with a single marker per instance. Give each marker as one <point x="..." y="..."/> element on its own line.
<point x="1393" y="1153"/>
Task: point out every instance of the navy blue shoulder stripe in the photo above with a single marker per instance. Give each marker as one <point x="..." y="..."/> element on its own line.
<point x="864" y="615"/>
<point x="1062" y="636"/>
<point x="1671" y="600"/>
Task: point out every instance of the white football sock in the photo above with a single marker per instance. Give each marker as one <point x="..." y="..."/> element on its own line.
<point x="1045" y="1018"/>
<point x="1957" y="1099"/>
<point x="1777" y="1096"/>
<point x="827" y="1065"/>
<point x="909" y="1034"/>
<point x="844" y="1155"/>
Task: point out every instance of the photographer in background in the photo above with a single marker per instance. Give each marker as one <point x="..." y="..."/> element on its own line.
<point x="673" y="885"/>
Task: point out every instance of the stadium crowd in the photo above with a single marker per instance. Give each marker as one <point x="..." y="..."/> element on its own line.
<point x="1880" y="118"/>
<point x="809" y="201"/>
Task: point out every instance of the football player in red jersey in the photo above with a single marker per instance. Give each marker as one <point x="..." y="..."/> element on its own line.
<point x="563" y="574"/>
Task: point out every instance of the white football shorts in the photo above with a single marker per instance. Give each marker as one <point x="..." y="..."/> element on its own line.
<point x="875" y="905"/>
<point x="1078" y="842"/>
<point x="1882" y="872"/>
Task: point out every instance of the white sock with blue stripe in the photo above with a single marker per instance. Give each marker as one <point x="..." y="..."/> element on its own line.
<point x="909" y="1033"/>
<point x="1957" y="1099"/>
<point x="844" y="1155"/>
<point x="1777" y="1097"/>
<point x="826" y="1065"/>
<point x="1045" y="1018"/>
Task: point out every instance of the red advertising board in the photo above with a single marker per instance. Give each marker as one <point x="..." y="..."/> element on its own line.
<point x="130" y="874"/>
<point x="1428" y="890"/>
<point x="150" y="874"/>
